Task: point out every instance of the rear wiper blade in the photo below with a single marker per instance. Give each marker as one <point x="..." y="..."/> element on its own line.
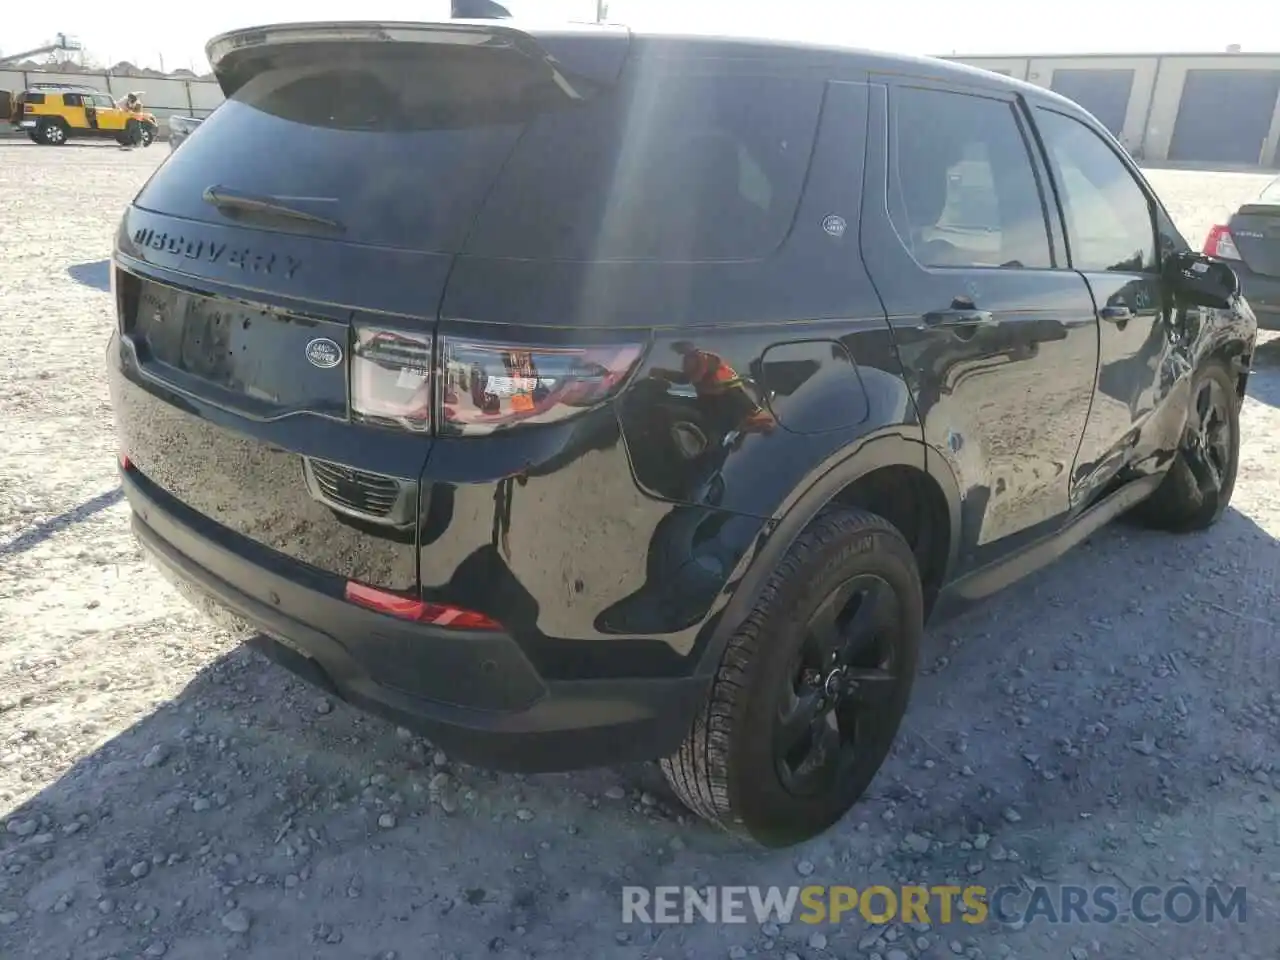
<point x="225" y="198"/>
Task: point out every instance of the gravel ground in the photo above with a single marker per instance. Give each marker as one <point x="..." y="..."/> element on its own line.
<point x="165" y="793"/>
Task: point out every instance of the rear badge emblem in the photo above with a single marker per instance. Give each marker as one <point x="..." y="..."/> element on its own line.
<point x="324" y="353"/>
<point x="834" y="225"/>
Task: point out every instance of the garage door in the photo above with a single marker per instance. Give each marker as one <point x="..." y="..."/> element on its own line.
<point x="1225" y="115"/>
<point x="1104" y="93"/>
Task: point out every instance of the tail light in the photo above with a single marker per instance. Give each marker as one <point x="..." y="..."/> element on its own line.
<point x="485" y="387"/>
<point x="1220" y="243"/>
<point x="407" y="608"/>
<point x="479" y="387"/>
<point x="28" y="108"/>
<point x="391" y="378"/>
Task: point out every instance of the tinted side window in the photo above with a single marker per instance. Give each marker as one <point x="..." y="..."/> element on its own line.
<point x="71" y="99"/>
<point x="962" y="189"/>
<point x="1109" y="225"/>
<point x="32" y="98"/>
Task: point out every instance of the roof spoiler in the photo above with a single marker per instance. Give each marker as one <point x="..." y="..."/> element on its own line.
<point x="578" y="56"/>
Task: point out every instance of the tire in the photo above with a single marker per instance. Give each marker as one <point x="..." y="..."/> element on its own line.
<point x="52" y="133"/>
<point x="734" y="767"/>
<point x="1198" y="487"/>
<point x="146" y="135"/>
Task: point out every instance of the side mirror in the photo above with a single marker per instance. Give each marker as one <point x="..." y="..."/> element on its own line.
<point x="1201" y="280"/>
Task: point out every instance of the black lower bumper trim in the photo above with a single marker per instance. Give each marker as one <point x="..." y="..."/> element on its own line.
<point x="570" y="725"/>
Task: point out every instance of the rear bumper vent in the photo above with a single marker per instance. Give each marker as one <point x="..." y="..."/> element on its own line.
<point x="357" y="493"/>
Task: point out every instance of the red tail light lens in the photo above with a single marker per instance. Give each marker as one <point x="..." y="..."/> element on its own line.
<point x="391" y="377"/>
<point x="480" y="387"/>
<point x="487" y="387"/>
<point x="1220" y="243"/>
<point x="407" y="608"/>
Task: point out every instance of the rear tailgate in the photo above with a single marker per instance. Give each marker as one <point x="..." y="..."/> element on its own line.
<point x="365" y="153"/>
<point x="24" y="103"/>
<point x="244" y="390"/>
<point x="1256" y="230"/>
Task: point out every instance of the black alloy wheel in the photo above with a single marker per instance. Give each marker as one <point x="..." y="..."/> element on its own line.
<point x="1197" y="489"/>
<point x="812" y="685"/>
<point x="844" y="676"/>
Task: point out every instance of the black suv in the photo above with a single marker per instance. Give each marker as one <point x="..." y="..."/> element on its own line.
<point x="580" y="396"/>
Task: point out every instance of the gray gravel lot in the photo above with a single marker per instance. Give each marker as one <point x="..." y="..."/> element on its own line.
<point x="1114" y="720"/>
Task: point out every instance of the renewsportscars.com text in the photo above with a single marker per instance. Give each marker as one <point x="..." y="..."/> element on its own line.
<point x="1012" y="905"/>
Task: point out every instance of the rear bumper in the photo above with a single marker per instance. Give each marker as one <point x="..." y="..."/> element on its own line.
<point x="526" y="724"/>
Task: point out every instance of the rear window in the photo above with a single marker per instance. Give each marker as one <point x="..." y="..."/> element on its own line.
<point x="443" y="149"/>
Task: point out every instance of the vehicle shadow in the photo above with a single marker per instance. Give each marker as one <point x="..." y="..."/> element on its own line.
<point x="251" y="787"/>
<point x="44" y="530"/>
<point x="94" y="273"/>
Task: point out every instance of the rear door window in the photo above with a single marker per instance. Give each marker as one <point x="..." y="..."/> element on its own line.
<point x="963" y="192"/>
<point x="476" y="150"/>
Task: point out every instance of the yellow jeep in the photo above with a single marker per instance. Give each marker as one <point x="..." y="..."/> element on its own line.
<point x="53" y="113"/>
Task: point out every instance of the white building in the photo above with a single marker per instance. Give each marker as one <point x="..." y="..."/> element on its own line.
<point x="1214" y="109"/>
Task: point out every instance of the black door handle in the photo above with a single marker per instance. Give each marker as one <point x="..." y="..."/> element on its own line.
<point x="1116" y="314"/>
<point x="958" y="318"/>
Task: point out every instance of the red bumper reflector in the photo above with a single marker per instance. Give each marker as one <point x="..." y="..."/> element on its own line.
<point x="407" y="608"/>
